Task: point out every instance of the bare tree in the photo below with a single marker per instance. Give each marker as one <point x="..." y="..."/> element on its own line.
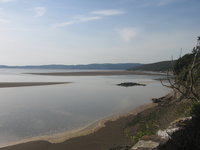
<point x="187" y="86"/>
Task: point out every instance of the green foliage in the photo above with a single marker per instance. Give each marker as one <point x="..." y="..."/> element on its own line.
<point x="159" y="66"/>
<point x="135" y="138"/>
<point x="158" y="118"/>
<point x="187" y="75"/>
<point x="182" y="67"/>
<point x="183" y="63"/>
<point x="195" y="110"/>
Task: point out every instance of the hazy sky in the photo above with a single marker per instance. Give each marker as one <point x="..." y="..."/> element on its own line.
<point x="96" y="31"/>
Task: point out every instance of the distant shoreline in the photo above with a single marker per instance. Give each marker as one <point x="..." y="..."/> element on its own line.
<point x="96" y="73"/>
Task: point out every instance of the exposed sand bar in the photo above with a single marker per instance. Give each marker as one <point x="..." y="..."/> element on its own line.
<point x="21" y="84"/>
<point x="92" y="127"/>
<point x="96" y="73"/>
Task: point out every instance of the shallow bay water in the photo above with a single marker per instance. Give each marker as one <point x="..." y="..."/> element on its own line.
<point x="27" y="112"/>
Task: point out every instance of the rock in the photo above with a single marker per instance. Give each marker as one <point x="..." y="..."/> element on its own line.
<point x="154" y="142"/>
<point x="145" y="145"/>
<point x="128" y="84"/>
<point x="157" y="100"/>
<point x="166" y="134"/>
<point x="174" y="127"/>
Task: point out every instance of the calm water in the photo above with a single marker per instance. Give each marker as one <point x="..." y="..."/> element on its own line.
<point x="39" y="110"/>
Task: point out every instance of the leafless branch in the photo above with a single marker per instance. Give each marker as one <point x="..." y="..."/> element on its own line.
<point x="186" y="87"/>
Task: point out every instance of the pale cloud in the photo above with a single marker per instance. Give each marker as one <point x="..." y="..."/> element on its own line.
<point x="63" y="24"/>
<point x="6" y="1"/>
<point x="76" y="20"/>
<point x="159" y="2"/>
<point x="3" y="21"/>
<point x="83" y="19"/>
<point x="165" y="2"/>
<point x="40" y="11"/>
<point x="91" y="16"/>
<point x="2" y="17"/>
<point x="150" y="3"/>
<point x="108" y="12"/>
<point x="127" y="34"/>
<point x="1" y="11"/>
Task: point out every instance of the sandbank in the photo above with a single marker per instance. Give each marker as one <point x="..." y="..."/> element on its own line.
<point x="97" y="73"/>
<point x="22" y="84"/>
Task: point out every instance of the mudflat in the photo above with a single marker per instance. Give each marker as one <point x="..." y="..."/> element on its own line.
<point x="21" y="84"/>
<point x="96" y="73"/>
<point x="109" y="134"/>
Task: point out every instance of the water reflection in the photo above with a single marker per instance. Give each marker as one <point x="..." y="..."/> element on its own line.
<point x="34" y="111"/>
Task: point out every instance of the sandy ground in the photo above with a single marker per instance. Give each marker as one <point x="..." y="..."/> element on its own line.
<point x="21" y="84"/>
<point x="101" y="135"/>
<point x="96" y="73"/>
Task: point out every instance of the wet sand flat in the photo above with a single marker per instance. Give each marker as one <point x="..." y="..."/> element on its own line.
<point x="96" y="73"/>
<point x="21" y="84"/>
<point x="106" y="135"/>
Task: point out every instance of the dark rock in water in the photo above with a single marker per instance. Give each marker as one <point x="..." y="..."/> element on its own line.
<point x="157" y="100"/>
<point x="128" y="84"/>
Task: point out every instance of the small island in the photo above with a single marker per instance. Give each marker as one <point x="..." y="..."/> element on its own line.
<point x="129" y="84"/>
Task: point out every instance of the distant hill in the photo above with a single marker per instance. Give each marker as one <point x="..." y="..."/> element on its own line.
<point x="106" y="66"/>
<point x="158" y="66"/>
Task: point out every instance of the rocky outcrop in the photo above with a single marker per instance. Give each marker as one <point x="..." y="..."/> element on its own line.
<point x="186" y="138"/>
<point x="148" y="143"/>
<point x="128" y="84"/>
<point x="158" y="100"/>
<point x="163" y="137"/>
